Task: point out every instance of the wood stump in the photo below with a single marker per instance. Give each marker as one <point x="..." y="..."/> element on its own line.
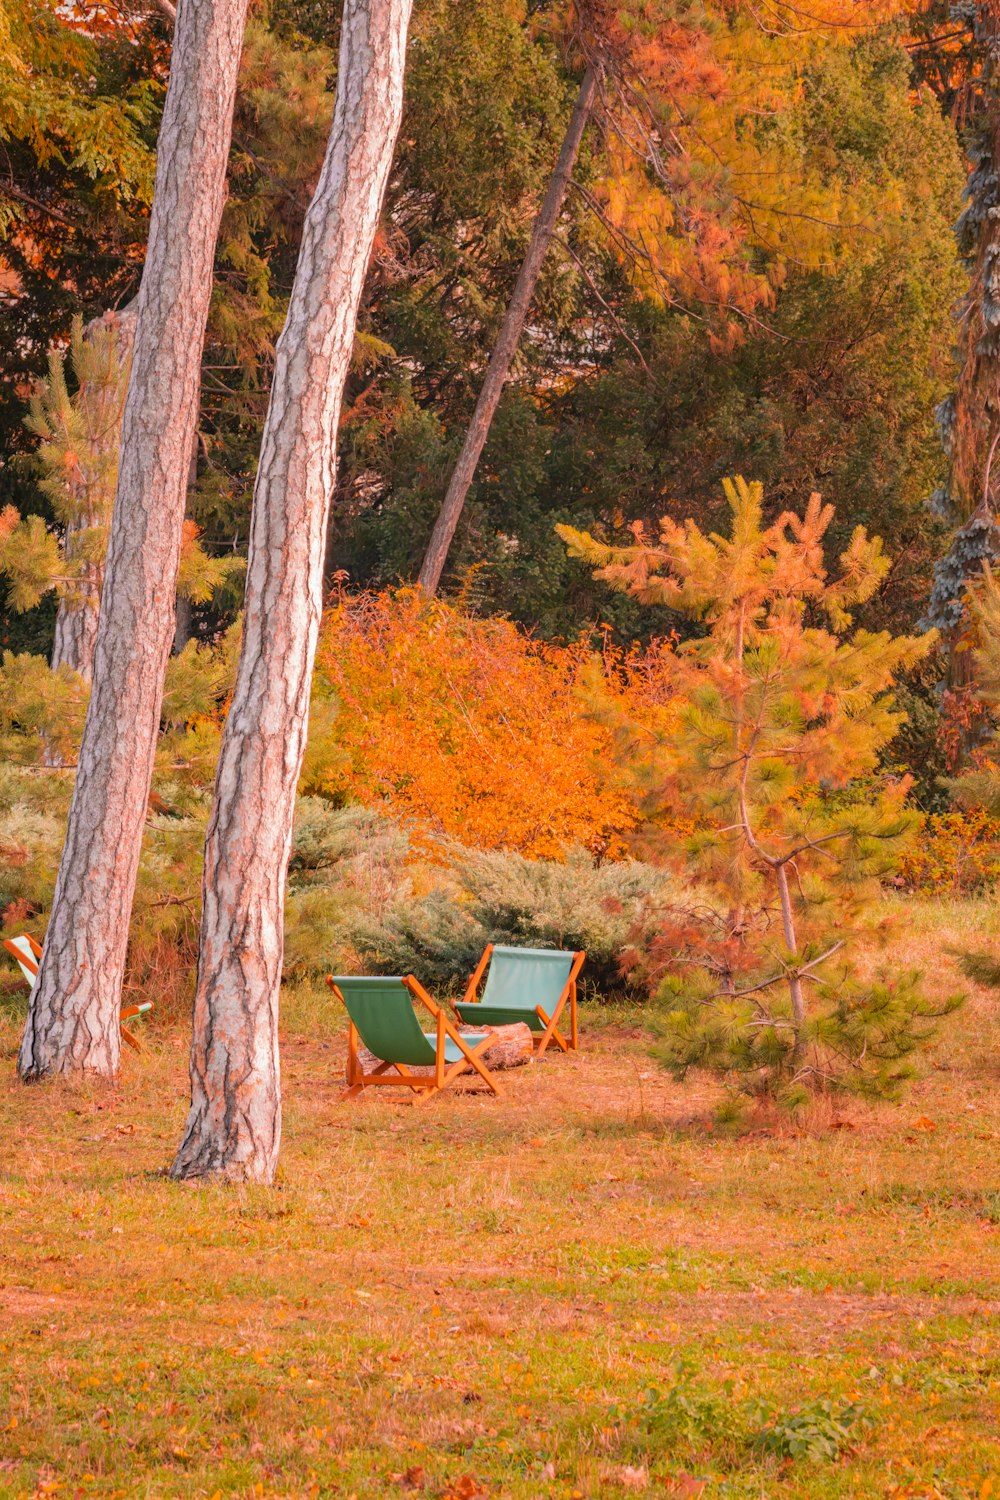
<point x="512" y="1049"/>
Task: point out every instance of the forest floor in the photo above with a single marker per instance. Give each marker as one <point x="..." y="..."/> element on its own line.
<point x="580" y="1290"/>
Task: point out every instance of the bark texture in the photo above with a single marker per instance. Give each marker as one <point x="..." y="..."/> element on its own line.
<point x="79" y="607"/>
<point x="73" y="1024"/>
<point x="234" y="1125"/>
<point x="507" y="342"/>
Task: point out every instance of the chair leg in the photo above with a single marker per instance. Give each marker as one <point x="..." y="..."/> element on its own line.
<point x="353" y="1071"/>
<point x="551" y="1032"/>
<point x="472" y="1056"/>
<point x="358" y="1085"/>
<point x="404" y="1072"/>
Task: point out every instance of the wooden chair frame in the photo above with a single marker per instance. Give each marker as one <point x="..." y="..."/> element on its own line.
<point x="423" y="1087"/>
<point x="551" y="1032"/>
<point x="26" y="963"/>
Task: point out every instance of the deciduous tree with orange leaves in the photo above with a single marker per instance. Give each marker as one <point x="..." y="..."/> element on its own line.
<point x="477" y="732"/>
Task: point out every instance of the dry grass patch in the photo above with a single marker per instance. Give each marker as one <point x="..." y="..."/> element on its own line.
<point x="579" y="1290"/>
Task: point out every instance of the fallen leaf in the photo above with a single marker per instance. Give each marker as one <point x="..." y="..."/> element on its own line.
<point x="464" y="1488"/>
<point x="687" y="1486"/>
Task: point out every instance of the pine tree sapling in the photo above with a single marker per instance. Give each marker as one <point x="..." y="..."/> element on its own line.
<point x="78" y="457"/>
<point x="775" y="760"/>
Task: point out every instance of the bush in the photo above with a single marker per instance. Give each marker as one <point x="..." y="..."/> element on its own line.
<point x="957" y="851"/>
<point x="471" y="729"/>
<point x="163" y="933"/>
<point x="360" y="894"/>
<point x="505" y="898"/>
<point x="345" y="863"/>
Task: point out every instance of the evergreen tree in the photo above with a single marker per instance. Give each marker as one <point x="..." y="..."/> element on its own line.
<point x="784" y="712"/>
<point x="78" y="459"/>
<point x="80" y="96"/>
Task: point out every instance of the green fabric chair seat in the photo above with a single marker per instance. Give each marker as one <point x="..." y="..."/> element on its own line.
<point x="452" y="1054"/>
<point x="518" y="980"/>
<point x="383" y="1018"/>
<point x="382" y="1010"/>
<point x="479" y="1013"/>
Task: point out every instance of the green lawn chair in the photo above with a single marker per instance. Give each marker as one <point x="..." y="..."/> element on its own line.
<point x="525" y="984"/>
<point x="382" y="1014"/>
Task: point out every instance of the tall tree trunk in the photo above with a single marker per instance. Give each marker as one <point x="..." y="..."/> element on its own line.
<point x="506" y="345"/>
<point x="969" y="421"/>
<point x="795" y="990"/>
<point x="73" y="1024"/>
<point x="79" y="608"/>
<point x="234" y="1125"/>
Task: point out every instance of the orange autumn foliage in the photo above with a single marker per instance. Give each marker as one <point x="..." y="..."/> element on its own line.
<point x="476" y="731"/>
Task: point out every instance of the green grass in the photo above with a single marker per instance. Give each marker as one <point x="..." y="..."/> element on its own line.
<point x="582" y="1289"/>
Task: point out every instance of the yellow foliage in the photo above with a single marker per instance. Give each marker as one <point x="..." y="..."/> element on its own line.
<point x="956" y="851"/>
<point x="478" y="732"/>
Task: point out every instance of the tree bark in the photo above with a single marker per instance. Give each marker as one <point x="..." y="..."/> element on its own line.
<point x="73" y="1024"/>
<point x="234" y="1125"/>
<point x="506" y="345"/>
<point x="795" y="990"/>
<point x="79" y="608"/>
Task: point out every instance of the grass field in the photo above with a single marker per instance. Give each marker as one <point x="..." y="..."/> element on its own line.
<point x="581" y="1290"/>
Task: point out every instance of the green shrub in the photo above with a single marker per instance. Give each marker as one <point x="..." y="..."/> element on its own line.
<point x="688" y="1414"/>
<point x="359" y="895"/>
<point x="347" y="864"/>
<point x="504" y="898"/>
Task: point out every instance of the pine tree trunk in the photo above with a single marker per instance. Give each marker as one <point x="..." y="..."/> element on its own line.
<point x="73" y="1024"/>
<point x="234" y="1125"/>
<point x="507" y="342"/>
<point x="76" y="622"/>
<point x="79" y="607"/>
<point x="795" y="990"/>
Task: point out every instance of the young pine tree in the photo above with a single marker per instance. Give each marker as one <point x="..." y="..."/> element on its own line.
<point x="78" y="456"/>
<point x="80" y="437"/>
<point x="785" y="714"/>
